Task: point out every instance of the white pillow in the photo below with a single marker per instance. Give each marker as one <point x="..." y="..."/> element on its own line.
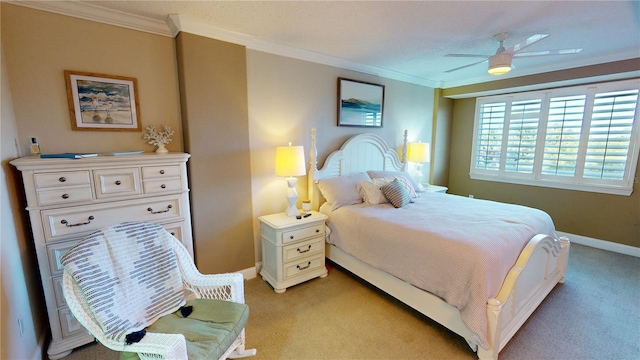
<point x="386" y="173"/>
<point x="342" y="190"/>
<point x="370" y="191"/>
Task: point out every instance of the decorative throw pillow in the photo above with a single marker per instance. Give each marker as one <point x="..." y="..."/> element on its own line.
<point x="407" y="185"/>
<point x="342" y="190"/>
<point x="370" y="191"/>
<point x="386" y="173"/>
<point x="396" y="193"/>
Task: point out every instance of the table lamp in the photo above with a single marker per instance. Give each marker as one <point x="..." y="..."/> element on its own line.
<point x="418" y="153"/>
<point x="290" y="163"/>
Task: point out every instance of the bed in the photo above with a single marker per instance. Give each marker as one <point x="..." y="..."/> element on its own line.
<point x="521" y="257"/>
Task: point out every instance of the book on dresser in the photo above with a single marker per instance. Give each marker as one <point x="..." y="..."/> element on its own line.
<point x="68" y="200"/>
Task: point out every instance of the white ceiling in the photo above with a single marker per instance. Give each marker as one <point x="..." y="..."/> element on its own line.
<point x="410" y="38"/>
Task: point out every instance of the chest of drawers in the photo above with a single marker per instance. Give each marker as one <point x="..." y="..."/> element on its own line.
<point x="68" y="199"/>
<point x="292" y="249"/>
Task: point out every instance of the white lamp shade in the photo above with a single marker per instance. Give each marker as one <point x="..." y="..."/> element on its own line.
<point x="500" y="64"/>
<point x="290" y="161"/>
<point x="418" y="152"/>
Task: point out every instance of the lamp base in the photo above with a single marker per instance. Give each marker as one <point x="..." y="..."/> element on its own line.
<point x="292" y="197"/>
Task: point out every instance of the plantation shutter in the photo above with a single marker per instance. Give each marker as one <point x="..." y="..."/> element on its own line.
<point x="489" y="136"/>
<point x="610" y="134"/>
<point x="562" y="140"/>
<point x="524" y="118"/>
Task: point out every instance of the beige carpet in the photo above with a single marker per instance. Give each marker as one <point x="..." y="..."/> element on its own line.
<point x="594" y="315"/>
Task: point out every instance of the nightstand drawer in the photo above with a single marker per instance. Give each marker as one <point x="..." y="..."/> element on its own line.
<point x="117" y="182"/>
<point x="300" y="234"/>
<point x="64" y="195"/>
<point x="305" y="248"/>
<point x="63" y="178"/>
<point x="302" y="267"/>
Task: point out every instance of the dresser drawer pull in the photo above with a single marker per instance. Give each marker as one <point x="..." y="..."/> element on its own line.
<point x="304" y="251"/>
<point x="161" y="211"/>
<point x="304" y="267"/>
<point x="291" y="237"/>
<point x="66" y="223"/>
<point x="65" y="196"/>
<point x="163" y="186"/>
<point x="118" y="182"/>
<point x="62" y="179"/>
<point x="317" y="230"/>
<point x="162" y="172"/>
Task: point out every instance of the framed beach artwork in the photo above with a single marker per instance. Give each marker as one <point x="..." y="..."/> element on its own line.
<point x="360" y="103"/>
<point x="100" y="102"/>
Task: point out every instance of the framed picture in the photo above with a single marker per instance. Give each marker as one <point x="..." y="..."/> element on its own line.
<point x="100" y="102"/>
<point x="360" y="103"/>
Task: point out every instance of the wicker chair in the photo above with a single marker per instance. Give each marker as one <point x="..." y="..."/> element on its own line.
<point x="229" y="287"/>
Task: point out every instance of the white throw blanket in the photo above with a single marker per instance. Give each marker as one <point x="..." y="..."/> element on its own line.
<point x="129" y="276"/>
<point x="457" y="248"/>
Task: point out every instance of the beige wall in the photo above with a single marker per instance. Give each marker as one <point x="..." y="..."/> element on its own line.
<point x="288" y="97"/>
<point x="601" y="216"/>
<point x="40" y="46"/>
<point x="213" y="87"/>
<point x="20" y="290"/>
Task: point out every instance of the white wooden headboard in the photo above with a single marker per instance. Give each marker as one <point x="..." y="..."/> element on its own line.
<point x="359" y="153"/>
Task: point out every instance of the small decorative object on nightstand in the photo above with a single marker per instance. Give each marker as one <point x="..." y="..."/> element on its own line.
<point x="292" y="249"/>
<point x="434" y="188"/>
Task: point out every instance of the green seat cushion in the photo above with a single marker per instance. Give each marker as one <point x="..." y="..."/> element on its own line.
<point x="209" y="330"/>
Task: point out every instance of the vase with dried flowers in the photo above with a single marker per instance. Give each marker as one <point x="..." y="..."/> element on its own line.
<point x="159" y="138"/>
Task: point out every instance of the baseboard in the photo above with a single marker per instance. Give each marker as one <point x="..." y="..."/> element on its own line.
<point x="602" y="244"/>
<point x="249" y="273"/>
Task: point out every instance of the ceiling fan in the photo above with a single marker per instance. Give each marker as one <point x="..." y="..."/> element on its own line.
<point x="500" y="62"/>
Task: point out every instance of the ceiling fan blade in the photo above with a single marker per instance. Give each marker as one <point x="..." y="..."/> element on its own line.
<point x="467" y="55"/>
<point x="530" y="41"/>
<point x="547" y="52"/>
<point x="466" y="66"/>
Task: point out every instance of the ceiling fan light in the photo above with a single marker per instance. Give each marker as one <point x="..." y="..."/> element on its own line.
<point x="500" y="64"/>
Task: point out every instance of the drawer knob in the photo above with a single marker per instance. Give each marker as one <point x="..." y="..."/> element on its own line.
<point x="162" y="172"/>
<point x="163" y="186"/>
<point x="62" y="179"/>
<point x="159" y="211"/>
<point x="304" y="267"/>
<point x="66" y="223"/>
<point x="304" y="251"/>
<point x="291" y="237"/>
<point x="65" y="196"/>
<point x="317" y="230"/>
<point x="118" y="182"/>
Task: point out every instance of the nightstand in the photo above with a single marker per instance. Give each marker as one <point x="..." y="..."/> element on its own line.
<point x="435" y="188"/>
<point x="292" y="249"/>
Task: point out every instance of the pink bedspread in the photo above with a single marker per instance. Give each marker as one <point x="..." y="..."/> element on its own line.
<point x="457" y="248"/>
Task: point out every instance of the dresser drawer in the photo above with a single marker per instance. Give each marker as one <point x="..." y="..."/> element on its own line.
<point x="299" y="234"/>
<point x="302" y="267"/>
<point x="117" y="182"/>
<point x="159" y="172"/>
<point x="59" y="293"/>
<point x="55" y="253"/>
<point x="160" y="186"/>
<point x="66" y="195"/>
<point x="82" y="220"/>
<point x="61" y="178"/>
<point x="305" y="248"/>
<point x="69" y="325"/>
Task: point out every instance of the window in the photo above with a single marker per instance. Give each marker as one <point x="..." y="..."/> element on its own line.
<point x="580" y="138"/>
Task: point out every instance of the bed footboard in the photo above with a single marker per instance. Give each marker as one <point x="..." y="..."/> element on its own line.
<point x="541" y="265"/>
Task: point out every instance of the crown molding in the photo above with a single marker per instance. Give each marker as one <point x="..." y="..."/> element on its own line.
<point x="87" y="11"/>
<point x="179" y="23"/>
<point x="176" y="23"/>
